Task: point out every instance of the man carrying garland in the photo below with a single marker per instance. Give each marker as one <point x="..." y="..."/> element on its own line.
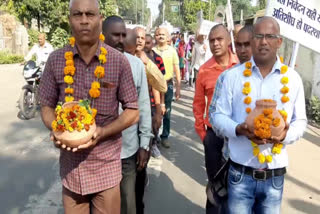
<point x="257" y="166"/>
<point x="91" y="173"/>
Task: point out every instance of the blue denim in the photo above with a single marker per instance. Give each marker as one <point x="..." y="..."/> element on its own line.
<point x="247" y="195"/>
<point x="166" y="117"/>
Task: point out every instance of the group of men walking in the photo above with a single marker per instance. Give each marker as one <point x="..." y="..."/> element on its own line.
<point x="108" y="173"/>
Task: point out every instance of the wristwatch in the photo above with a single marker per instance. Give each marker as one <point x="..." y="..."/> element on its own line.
<point x="147" y="148"/>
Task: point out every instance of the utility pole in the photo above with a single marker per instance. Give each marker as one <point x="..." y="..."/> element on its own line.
<point x="163" y="9"/>
<point x="136" y="11"/>
<point x="142" y="19"/>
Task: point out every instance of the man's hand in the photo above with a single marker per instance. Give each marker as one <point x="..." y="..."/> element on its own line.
<point x="177" y="93"/>
<point x="281" y="137"/>
<point x="156" y="121"/>
<point x="163" y="109"/>
<point x="142" y="55"/>
<point x="97" y="135"/>
<point x="205" y="47"/>
<point x="142" y="159"/>
<point x="242" y="129"/>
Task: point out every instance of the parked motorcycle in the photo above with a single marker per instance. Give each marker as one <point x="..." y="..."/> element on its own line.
<point x="29" y="97"/>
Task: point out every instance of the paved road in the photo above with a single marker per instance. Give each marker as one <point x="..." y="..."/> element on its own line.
<point x="29" y="181"/>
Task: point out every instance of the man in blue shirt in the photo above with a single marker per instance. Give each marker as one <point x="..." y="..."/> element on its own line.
<point x="135" y="139"/>
<point x="256" y="184"/>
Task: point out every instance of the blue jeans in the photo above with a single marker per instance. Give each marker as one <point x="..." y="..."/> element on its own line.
<point x="166" y="117"/>
<point x="247" y="195"/>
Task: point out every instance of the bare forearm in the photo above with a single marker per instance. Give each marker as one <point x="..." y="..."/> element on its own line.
<point x="47" y="116"/>
<point x="126" y="119"/>
<point x="162" y="98"/>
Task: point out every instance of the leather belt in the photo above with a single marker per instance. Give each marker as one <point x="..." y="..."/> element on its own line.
<point x="259" y="174"/>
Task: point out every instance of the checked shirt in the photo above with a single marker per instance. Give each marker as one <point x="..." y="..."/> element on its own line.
<point x="99" y="168"/>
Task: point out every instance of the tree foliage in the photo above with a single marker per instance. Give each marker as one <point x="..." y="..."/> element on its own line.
<point x="134" y="10"/>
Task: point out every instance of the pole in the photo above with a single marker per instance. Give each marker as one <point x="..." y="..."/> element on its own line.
<point x="142" y="13"/>
<point x="163" y="9"/>
<point x="231" y="26"/>
<point x="209" y="10"/>
<point x="294" y="54"/>
<point x="136" y="11"/>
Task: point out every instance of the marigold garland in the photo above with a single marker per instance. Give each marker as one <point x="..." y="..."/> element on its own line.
<point x="263" y="121"/>
<point x="69" y="72"/>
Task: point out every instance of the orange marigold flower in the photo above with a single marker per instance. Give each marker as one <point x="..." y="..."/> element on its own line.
<point x="94" y="93"/>
<point x="246" y="90"/>
<point x="276" y="150"/>
<point x="69" y="98"/>
<point x="247" y="100"/>
<point x="103" y="51"/>
<point x="284" y="80"/>
<point x="246" y="84"/>
<point x="269" y="158"/>
<point x="278" y="145"/>
<point x="69" y="90"/>
<point x="69" y="70"/>
<point x="255" y="151"/>
<point x="94" y="112"/>
<point x="102" y="59"/>
<point x="247" y="73"/>
<point x="54" y="125"/>
<point x="267" y="111"/>
<point x="101" y="37"/>
<point x="248" y="65"/>
<point x="281" y="59"/>
<point x="72" y="41"/>
<point x="283" y="114"/>
<point x="276" y="122"/>
<point x="70" y="62"/>
<point x="68" y="79"/>
<point x="284" y="90"/>
<point x="261" y="158"/>
<point x="283" y="69"/>
<point x="285" y="99"/>
<point x="248" y="110"/>
<point x="99" y="72"/>
<point x="268" y="100"/>
<point x="68" y="55"/>
<point x="95" y="85"/>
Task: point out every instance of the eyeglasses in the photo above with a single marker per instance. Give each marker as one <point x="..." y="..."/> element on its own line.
<point x="268" y="37"/>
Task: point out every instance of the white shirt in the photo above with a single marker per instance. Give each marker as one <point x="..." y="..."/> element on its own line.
<point x="231" y="111"/>
<point x="139" y="134"/>
<point x="42" y="53"/>
<point x="198" y="55"/>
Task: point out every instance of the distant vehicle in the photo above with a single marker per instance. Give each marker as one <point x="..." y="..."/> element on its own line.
<point x="29" y="97"/>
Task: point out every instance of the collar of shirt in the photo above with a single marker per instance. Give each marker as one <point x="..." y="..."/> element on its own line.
<point x="276" y="67"/>
<point x="212" y="63"/>
<point x="166" y="47"/>
<point x="75" y="51"/>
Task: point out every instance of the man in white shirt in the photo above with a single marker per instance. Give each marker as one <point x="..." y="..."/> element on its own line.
<point x="198" y="57"/>
<point x="42" y="50"/>
<point x="255" y="181"/>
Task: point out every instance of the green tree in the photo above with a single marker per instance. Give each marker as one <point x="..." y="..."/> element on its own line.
<point x="134" y="10"/>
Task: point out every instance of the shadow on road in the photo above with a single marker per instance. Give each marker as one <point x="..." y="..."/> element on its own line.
<point x="22" y="179"/>
<point x="163" y="198"/>
<point x="312" y="138"/>
<point x="302" y="184"/>
<point x="304" y="206"/>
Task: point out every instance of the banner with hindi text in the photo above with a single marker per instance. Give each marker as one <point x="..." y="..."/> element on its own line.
<point x="299" y="20"/>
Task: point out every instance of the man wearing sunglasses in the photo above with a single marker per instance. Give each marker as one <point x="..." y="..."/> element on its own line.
<point x="255" y="185"/>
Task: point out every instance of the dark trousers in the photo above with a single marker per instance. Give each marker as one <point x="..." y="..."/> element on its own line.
<point x="127" y="185"/>
<point x="140" y="185"/>
<point x="166" y="117"/>
<point x="213" y="161"/>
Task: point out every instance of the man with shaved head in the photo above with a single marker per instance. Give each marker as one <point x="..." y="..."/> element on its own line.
<point x="258" y="165"/>
<point x="135" y="139"/>
<point x="222" y="59"/>
<point x="91" y="173"/>
<point x="42" y="50"/>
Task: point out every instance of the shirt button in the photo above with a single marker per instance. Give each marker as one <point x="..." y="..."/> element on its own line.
<point x="87" y="70"/>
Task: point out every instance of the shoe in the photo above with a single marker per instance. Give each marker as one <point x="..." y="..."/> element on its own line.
<point x="165" y="143"/>
<point x="155" y="152"/>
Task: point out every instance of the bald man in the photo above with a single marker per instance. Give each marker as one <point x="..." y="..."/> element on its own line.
<point x="42" y="50"/>
<point x="256" y="179"/>
<point x="222" y="59"/>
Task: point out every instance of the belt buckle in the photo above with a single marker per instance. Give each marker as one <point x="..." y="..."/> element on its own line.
<point x="256" y="175"/>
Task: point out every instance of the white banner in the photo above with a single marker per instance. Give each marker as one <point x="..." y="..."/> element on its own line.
<point x="299" y="20"/>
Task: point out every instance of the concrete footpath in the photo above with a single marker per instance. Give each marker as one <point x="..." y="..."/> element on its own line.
<point x="29" y="181"/>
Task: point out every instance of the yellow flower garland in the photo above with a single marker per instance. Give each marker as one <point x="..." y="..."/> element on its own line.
<point x="69" y="72"/>
<point x="276" y="149"/>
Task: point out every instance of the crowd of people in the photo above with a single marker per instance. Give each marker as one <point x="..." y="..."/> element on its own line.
<point x="143" y="75"/>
